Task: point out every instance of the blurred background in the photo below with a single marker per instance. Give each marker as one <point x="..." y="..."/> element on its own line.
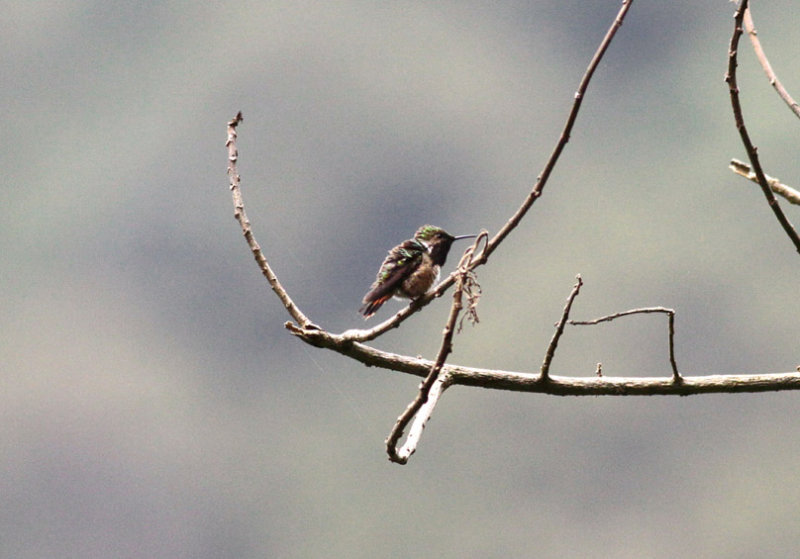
<point x="153" y="405"/>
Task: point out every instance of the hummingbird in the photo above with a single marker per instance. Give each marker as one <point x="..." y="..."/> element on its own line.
<point x="411" y="268"/>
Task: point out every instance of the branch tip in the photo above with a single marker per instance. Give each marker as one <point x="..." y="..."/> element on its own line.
<point x="551" y="348"/>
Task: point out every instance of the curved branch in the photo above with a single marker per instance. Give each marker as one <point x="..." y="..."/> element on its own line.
<point x="762" y="58"/>
<point x="565" y="134"/>
<point x="752" y="152"/>
<point x="244" y="223"/>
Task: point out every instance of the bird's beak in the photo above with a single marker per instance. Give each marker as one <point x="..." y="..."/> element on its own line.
<point x="464" y="237"/>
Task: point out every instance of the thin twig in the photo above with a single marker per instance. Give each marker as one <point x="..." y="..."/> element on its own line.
<point x="787" y="192"/>
<point x="424" y="397"/>
<point x="752" y="152"/>
<point x="551" y="349"/>
<point x="241" y="217"/>
<point x="676" y="377"/>
<point x="565" y="134"/>
<point x="762" y="58"/>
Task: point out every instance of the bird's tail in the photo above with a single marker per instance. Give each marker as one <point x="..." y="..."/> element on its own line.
<point x="371" y="307"/>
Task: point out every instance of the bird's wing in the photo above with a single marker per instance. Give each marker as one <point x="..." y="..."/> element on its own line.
<point x="396" y="267"/>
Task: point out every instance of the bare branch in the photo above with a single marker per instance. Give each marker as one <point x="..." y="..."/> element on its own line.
<point x="676" y="377"/>
<point x="787" y="192"/>
<point x="424" y="398"/>
<point x="241" y="217"/>
<point x="402" y="456"/>
<point x="551" y="349"/>
<point x="752" y="152"/>
<point x="762" y="58"/>
<point x="565" y="134"/>
<point x="555" y="385"/>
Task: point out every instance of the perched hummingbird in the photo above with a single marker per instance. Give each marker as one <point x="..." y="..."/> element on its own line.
<point x="411" y="268"/>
